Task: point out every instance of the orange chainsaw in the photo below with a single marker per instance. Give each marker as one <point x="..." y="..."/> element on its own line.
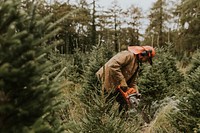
<point x="131" y="96"/>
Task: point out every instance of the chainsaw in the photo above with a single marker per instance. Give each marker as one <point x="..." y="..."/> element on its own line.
<point x="131" y="96"/>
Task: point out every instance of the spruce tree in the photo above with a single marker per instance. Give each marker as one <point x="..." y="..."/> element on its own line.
<point x="100" y="115"/>
<point x="160" y="80"/>
<point x="25" y="96"/>
<point x="159" y="15"/>
<point x="77" y="63"/>
<point x="194" y="62"/>
<point x="189" y="20"/>
<point x="97" y="58"/>
<point x="187" y="117"/>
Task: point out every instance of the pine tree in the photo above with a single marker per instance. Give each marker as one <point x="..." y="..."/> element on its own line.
<point x="195" y="62"/>
<point x="189" y="20"/>
<point x="100" y="116"/>
<point x="76" y="66"/>
<point x="134" y="26"/>
<point x="97" y="59"/>
<point x="158" y="16"/>
<point x="160" y="80"/>
<point x="187" y="117"/>
<point x="25" y="96"/>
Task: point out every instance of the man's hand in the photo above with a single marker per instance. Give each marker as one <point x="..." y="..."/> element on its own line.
<point x="124" y="88"/>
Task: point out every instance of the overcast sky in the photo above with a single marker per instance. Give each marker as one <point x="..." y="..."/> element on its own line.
<point x="144" y="4"/>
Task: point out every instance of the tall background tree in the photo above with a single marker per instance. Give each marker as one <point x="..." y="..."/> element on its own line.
<point x="74" y="28"/>
<point x="189" y="30"/>
<point x="156" y="30"/>
<point x="115" y="12"/>
<point x="130" y="33"/>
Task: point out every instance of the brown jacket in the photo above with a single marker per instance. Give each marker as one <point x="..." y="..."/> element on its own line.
<point x="123" y="65"/>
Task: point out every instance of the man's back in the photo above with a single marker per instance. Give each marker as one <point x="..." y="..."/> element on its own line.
<point x="120" y="67"/>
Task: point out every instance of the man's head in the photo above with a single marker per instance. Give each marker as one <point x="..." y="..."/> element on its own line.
<point x="145" y="53"/>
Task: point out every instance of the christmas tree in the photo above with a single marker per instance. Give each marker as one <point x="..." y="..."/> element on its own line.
<point x="195" y="62"/>
<point x="98" y="57"/>
<point x="25" y="96"/>
<point x="187" y="116"/>
<point x="101" y="115"/>
<point x="160" y="80"/>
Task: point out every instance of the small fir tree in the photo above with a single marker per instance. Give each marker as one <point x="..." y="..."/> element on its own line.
<point x="160" y="80"/>
<point x="98" y="57"/>
<point x="195" y="61"/>
<point x="100" y="116"/>
<point x="187" y="117"/>
<point x="76" y="66"/>
<point x="25" y="96"/>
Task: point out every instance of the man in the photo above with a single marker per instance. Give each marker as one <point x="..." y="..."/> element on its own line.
<point x="120" y="72"/>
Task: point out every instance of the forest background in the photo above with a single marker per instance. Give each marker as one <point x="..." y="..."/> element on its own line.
<point x="49" y="53"/>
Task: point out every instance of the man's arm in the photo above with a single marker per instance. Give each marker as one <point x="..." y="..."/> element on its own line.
<point x="133" y="82"/>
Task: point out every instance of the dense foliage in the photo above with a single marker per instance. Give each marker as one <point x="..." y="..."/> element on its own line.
<point x="26" y="96"/>
<point x="159" y="80"/>
<point x="187" y="117"/>
<point x="98" y="57"/>
<point x="50" y="52"/>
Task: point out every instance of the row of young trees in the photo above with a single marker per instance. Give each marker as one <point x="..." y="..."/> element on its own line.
<point x="169" y="101"/>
